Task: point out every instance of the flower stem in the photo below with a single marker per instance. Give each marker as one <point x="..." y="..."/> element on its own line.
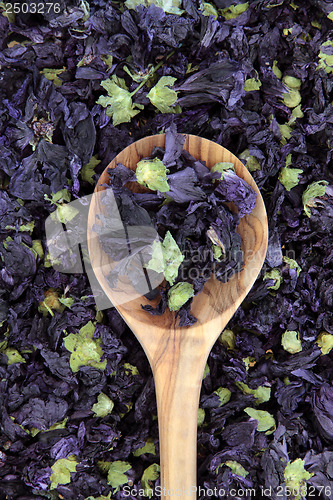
<point x="150" y="74"/>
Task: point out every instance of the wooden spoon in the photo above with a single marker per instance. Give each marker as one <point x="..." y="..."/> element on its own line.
<point x="178" y="355"/>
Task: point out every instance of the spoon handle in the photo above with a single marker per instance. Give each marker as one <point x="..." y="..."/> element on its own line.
<point x="178" y="375"/>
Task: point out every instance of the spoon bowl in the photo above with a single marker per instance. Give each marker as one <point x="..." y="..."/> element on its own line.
<point x="177" y="355"/>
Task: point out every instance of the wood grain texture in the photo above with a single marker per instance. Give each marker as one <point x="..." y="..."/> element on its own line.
<point x="178" y="355"/>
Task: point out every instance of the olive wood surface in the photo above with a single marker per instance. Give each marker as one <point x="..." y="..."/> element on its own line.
<point x="178" y="355"/>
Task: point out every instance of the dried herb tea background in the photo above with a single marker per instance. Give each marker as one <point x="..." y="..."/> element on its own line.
<point x="77" y="403"/>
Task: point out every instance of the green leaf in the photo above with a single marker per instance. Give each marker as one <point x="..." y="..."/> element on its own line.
<point x="291" y="342"/>
<point x="28" y="227"/>
<point x="287" y="31"/>
<point x="227" y="338"/>
<point x="3" y="345"/>
<point x="61" y="196"/>
<point x="325" y="342"/>
<point x="217" y="252"/>
<point x="295" y="477"/>
<point x="7" y="12"/>
<point x="62" y="469"/>
<point x="201" y="416"/>
<point x="266" y="422"/>
<point x="311" y="195"/>
<point x="6" y="241"/>
<point x="216" y="241"/>
<point x="132" y="4"/>
<point x="34" y="431"/>
<point x="288" y="160"/>
<point x="252" y="84"/>
<point x="84" y="5"/>
<point x="249" y="362"/>
<point x="262" y="393"/>
<point x="292" y="82"/>
<point x="191" y="69"/>
<point x="292" y="264"/>
<point x="166" y="258"/>
<point x="149" y="447"/>
<point x="131" y="369"/>
<point x="292" y="98"/>
<point x="235" y="467"/>
<point x="50" y="262"/>
<point x="66" y="301"/>
<point x="208" y="9"/>
<point x="326" y="59"/>
<point x="206" y="371"/>
<point x="116" y="476"/>
<point x="222" y="166"/>
<point x="276" y="70"/>
<point x="289" y="177"/>
<point x="59" y="425"/>
<point x="150" y="474"/>
<point x="252" y="164"/>
<point x="118" y="102"/>
<point x="285" y="131"/>
<point x="316" y="24"/>
<point x="224" y="395"/>
<point x="103" y="466"/>
<point x="85" y="350"/>
<point x="87" y="171"/>
<point x="169" y="6"/>
<point x="234" y="10"/>
<point x="152" y="174"/>
<point x="274" y="274"/>
<point x="52" y="75"/>
<point x="66" y="213"/>
<point x="179" y="294"/>
<point x="108" y="60"/>
<point x="13" y="356"/>
<point x="104" y="405"/>
<point x="296" y="113"/>
<point x="161" y="96"/>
